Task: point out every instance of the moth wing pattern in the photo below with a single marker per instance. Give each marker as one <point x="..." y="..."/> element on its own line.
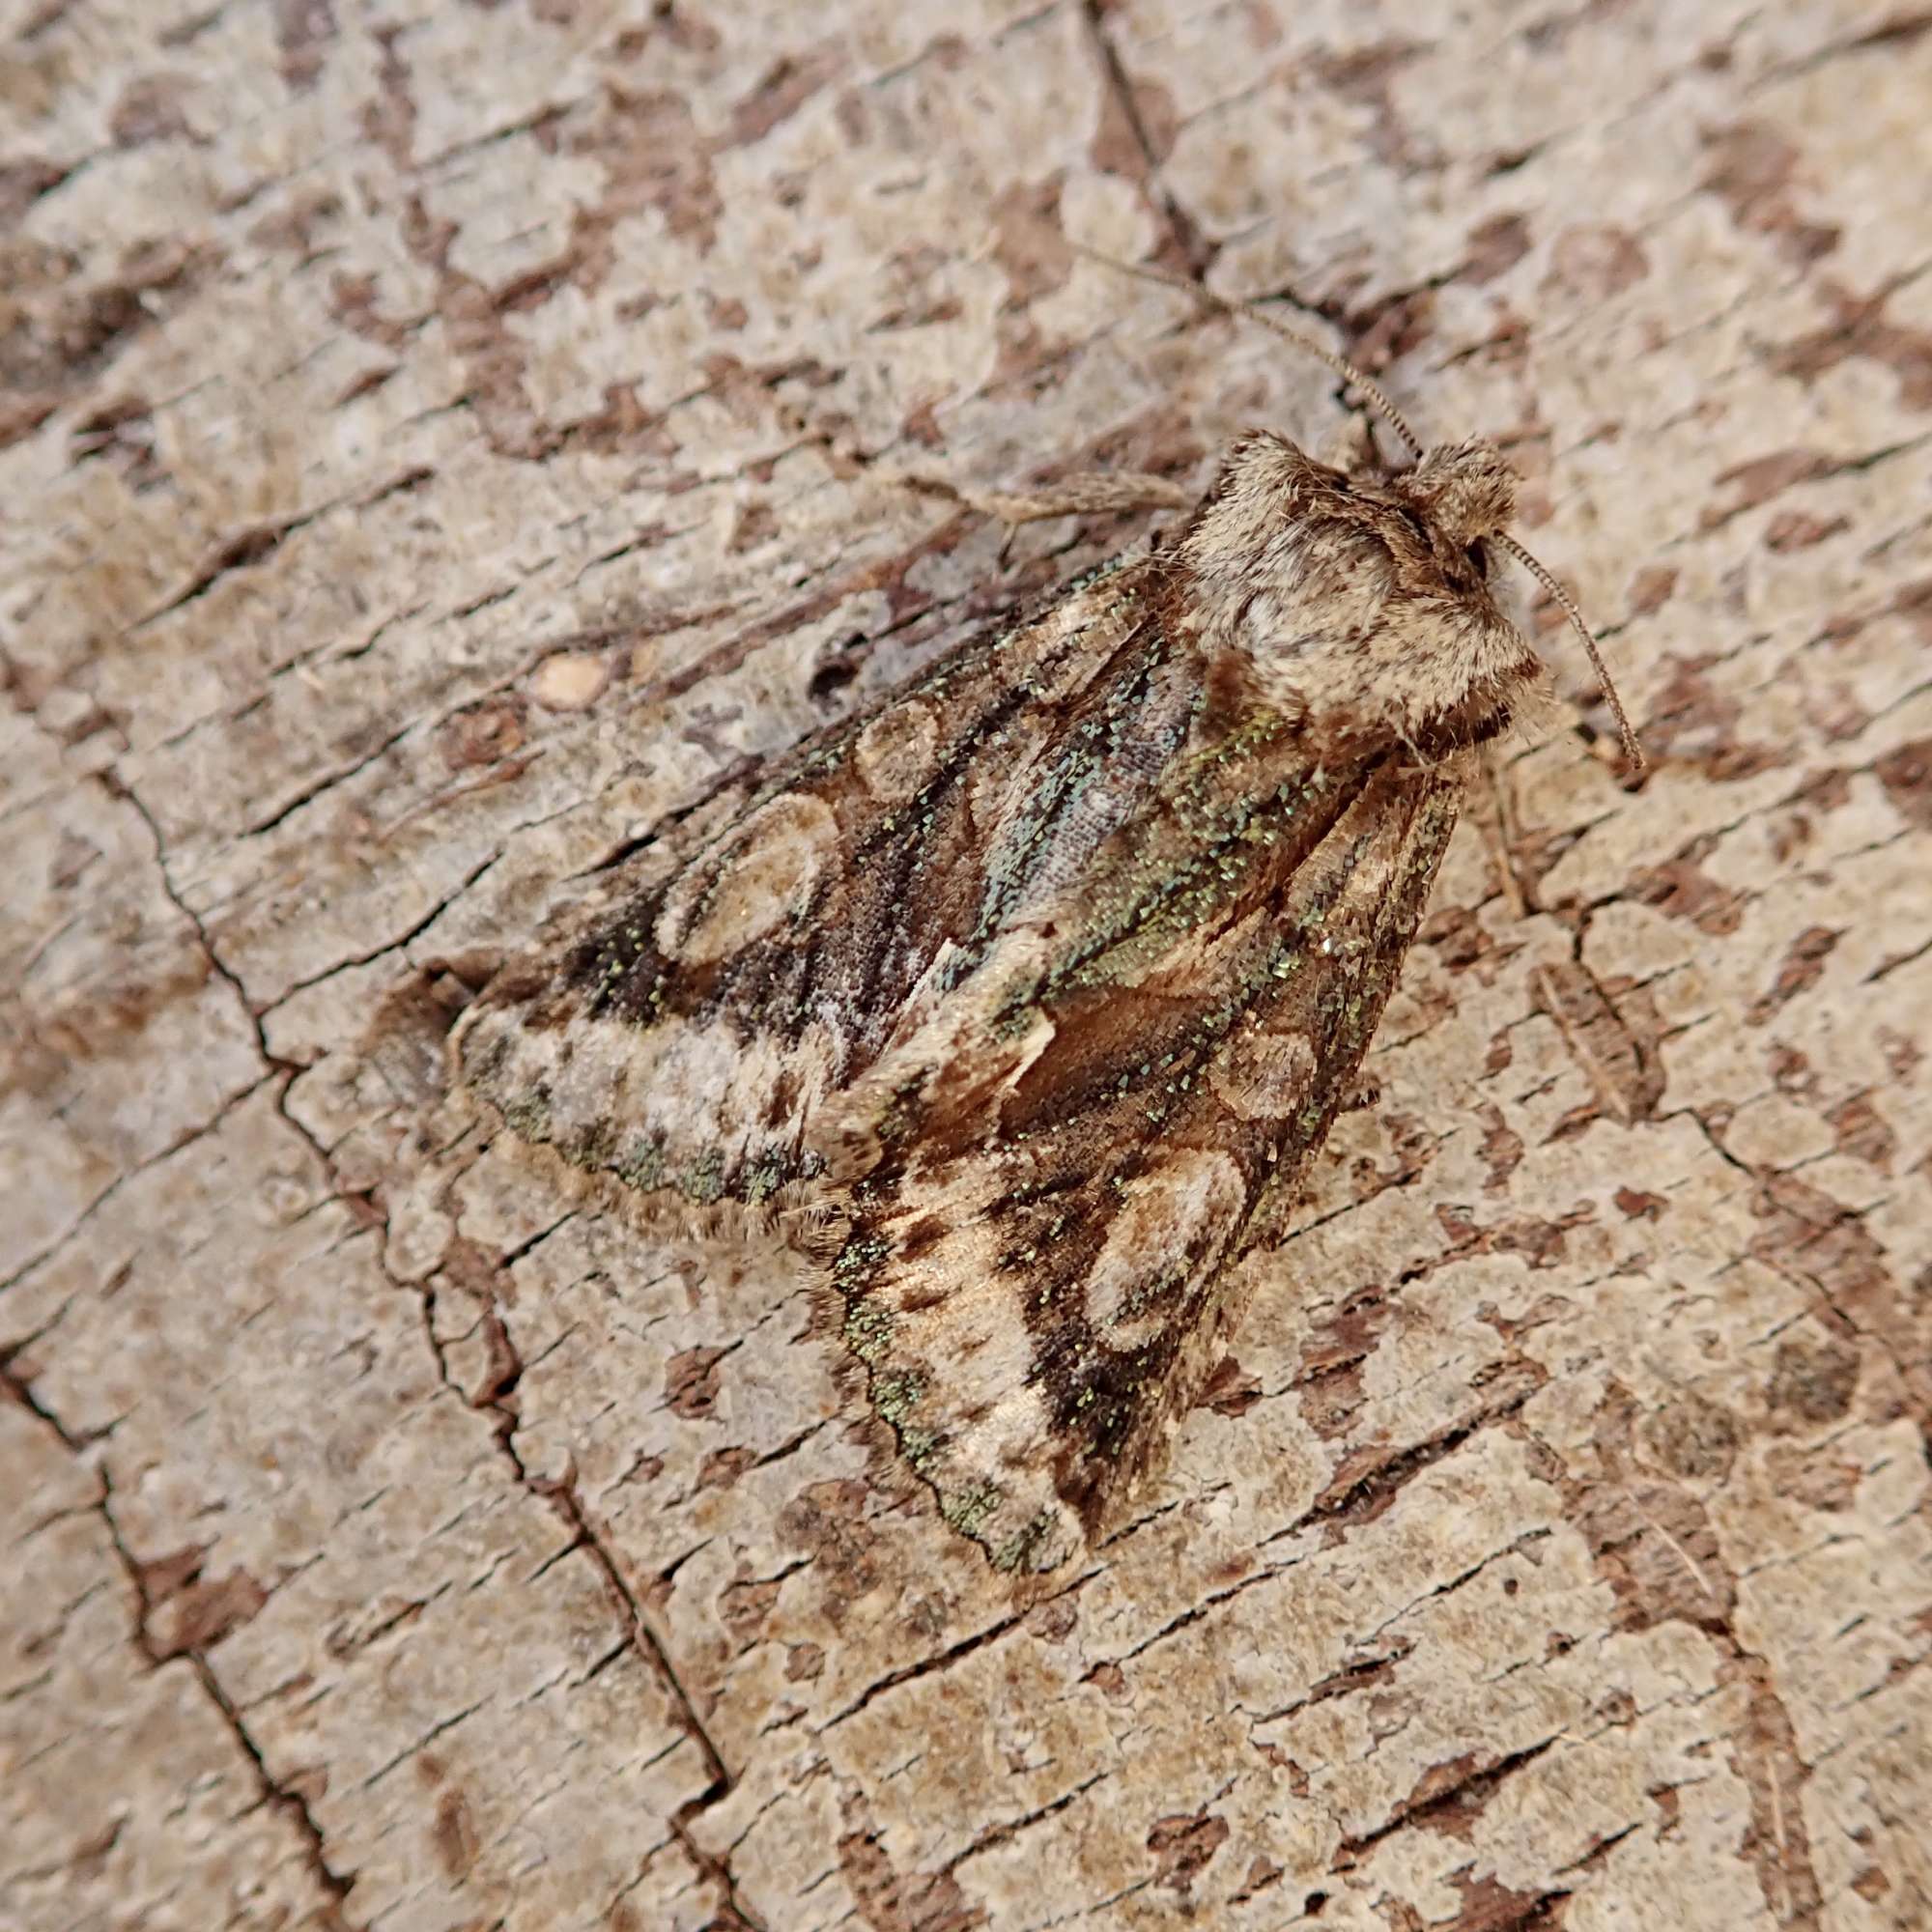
<point x="1024" y="997"/>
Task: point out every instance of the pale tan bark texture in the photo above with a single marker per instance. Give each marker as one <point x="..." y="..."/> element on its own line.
<point x="440" y="445"/>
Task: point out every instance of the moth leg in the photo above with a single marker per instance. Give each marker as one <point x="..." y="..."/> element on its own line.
<point x="1088" y="494"/>
<point x="1493" y="804"/>
<point x="1496" y="817"/>
<point x="1078" y="496"/>
<point x="1362" y="1095"/>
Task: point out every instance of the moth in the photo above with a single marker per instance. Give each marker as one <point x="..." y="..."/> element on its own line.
<point x="1021" y="1000"/>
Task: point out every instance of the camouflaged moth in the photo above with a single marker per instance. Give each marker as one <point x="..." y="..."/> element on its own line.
<point x="1023" y="998"/>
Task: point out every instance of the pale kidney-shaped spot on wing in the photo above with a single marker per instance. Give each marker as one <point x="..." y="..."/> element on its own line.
<point x="1169" y="1221"/>
<point x="764" y="875"/>
<point x="1262" y="1075"/>
<point x="894" y="754"/>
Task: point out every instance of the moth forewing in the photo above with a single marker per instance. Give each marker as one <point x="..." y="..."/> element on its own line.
<point x="642" y="1047"/>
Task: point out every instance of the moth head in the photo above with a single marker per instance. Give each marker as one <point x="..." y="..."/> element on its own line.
<point x="1361" y="605"/>
<point x="1467" y="489"/>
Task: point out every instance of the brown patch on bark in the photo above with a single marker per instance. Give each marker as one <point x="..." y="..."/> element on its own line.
<point x="1693" y="722"/>
<point x="1638" y="1205"/>
<point x="1752" y="169"/>
<point x="1029" y="243"/>
<point x="1117" y="147"/>
<point x="1411" y="1151"/>
<point x="22" y="183"/>
<point x="1597" y="260"/>
<point x="653" y="157"/>
<point x="1680" y="891"/>
<point x="1812" y="1383"/>
<point x="1263" y="1872"/>
<point x="1623" y="1064"/>
<point x="757" y="524"/>
<point x="1183" y="1845"/>
<point x="781" y="91"/>
<point x="1540" y="1242"/>
<point x="482" y="735"/>
<point x="1650" y="1538"/>
<point x="1387" y="329"/>
<point x="622" y="426"/>
<point x="1795" y="529"/>
<point x="1458" y="936"/>
<point x="1553" y="30"/>
<point x="1230" y="1390"/>
<point x="1808" y="1236"/>
<point x="827" y="1522"/>
<point x="1367" y="1481"/>
<point x="1693" y="1438"/>
<point x="1803" y="967"/>
<point x="1328" y="1379"/>
<point x="1864" y="1133"/>
<point x="1906" y="774"/>
<point x="150" y="109"/>
<point x="1488" y="1905"/>
<point x="388" y="121"/>
<point x="691" y="1384"/>
<point x="1500" y="1151"/>
<point x="100" y="1022"/>
<point x="352" y="301"/>
<point x="1903" y="1055"/>
<point x="744" y="1606"/>
<point x="1760" y="479"/>
<point x="57" y="335"/>
<point x="1820" y="1478"/>
<point x="454" y="1833"/>
<point x="1447" y="1798"/>
<point x="303" y="29"/>
<point x="1496" y="247"/>
<point x="407" y="1038"/>
<point x="1765" y="1755"/>
<point x="1366" y="76"/>
<point x="186" y="1611"/>
<point x="1650" y="590"/>
<point x="884" y="1900"/>
<point x="1330" y="1399"/>
<point x="1859" y="331"/>
<point x="723" y="1467"/>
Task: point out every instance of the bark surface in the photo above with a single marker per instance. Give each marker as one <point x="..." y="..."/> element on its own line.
<point x="440" y="445"/>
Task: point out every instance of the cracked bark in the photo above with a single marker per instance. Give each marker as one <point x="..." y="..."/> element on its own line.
<point x="448" y="481"/>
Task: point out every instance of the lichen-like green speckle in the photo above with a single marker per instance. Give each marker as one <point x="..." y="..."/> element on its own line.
<point x="643" y="1166"/>
<point x="858" y="1258"/>
<point x="1019" y="1550"/>
<point x="765" y="1176"/>
<point x="967" y="1510"/>
<point x="868" y="1332"/>
<point x="703" y="1180"/>
<point x="895" y="1396"/>
<point x="529" y="1116"/>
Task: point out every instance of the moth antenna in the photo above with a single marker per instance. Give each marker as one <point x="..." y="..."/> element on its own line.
<point x="1567" y="604"/>
<point x="1307" y="344"/>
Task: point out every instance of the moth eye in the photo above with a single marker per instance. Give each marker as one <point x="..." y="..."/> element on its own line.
<point x="1478" y="554"/>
